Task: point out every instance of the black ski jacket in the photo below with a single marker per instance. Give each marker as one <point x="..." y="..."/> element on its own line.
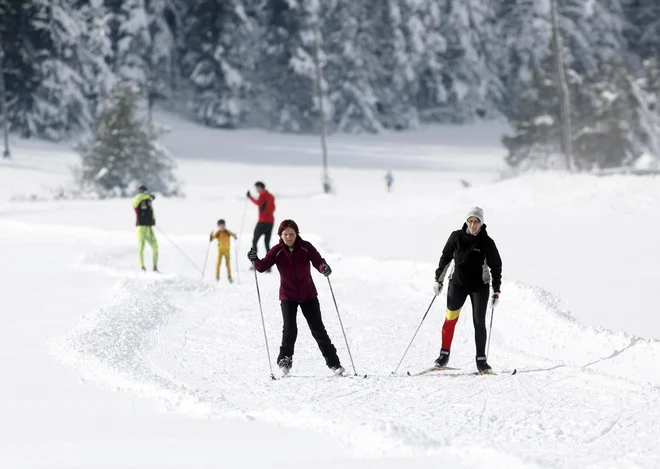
<point x="476" y="259"/>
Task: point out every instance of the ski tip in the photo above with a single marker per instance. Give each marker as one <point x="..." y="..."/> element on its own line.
<point x="408" y="373"/>
<point x="515" y="370"/>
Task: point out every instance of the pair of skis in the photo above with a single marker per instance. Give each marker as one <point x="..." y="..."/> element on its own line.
<point x="446" y="368"/>
<point x="334" y="375"/>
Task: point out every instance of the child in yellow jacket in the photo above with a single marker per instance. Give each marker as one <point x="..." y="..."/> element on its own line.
<point x="223" y="235"/>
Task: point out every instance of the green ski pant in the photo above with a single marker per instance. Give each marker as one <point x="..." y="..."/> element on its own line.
<point x="145" y="234"/>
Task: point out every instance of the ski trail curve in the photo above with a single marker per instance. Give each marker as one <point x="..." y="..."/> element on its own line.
<point x="580" y="395"/>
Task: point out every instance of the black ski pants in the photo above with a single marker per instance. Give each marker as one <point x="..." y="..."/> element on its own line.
<point x="265" y="230"/>
<point x="456" y="297"/>
<point x="312" y="312"/>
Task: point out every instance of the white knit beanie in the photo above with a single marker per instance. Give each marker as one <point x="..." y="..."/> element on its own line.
<point x="476" y="212"/>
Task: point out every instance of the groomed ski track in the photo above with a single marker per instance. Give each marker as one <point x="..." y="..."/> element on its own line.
<point x="582" y="398"/>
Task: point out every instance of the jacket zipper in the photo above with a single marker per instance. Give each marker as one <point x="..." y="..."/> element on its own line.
<point x="295" y="274"/>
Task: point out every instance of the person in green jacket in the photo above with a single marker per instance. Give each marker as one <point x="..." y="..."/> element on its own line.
<point x="145" y="222"/>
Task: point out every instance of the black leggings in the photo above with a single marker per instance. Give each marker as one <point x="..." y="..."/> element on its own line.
<point x="456" y="297"/>
<point x="312" y="312"/>
<point x="262" y="229"/>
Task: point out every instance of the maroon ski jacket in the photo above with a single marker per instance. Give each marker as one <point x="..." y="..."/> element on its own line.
<point x="296" y="282"/>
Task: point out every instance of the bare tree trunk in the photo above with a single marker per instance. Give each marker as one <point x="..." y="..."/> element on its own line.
<point x="327" y="187"/>
<point x="3" y="104"/>
<point x="562" y="88"/>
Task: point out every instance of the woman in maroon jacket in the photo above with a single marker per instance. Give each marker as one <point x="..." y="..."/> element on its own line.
<point x="293" y="257"/>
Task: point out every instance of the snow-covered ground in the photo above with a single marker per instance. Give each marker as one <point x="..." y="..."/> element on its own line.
<point x="107" y="367"/>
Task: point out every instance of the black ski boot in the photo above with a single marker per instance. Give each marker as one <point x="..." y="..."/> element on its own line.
<point x="443" y="359"/>
<point x="482" y="366"/>
<point x="285" y="364"/>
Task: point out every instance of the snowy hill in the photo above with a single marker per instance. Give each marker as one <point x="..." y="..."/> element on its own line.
<point x="172" y="368"/>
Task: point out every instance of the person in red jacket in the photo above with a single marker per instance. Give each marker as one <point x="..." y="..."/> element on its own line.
<point x="294" y="257"/>
<point x="266" y="204"/>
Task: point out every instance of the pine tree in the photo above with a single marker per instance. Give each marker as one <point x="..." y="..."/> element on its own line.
<point x="348" y="83"/>
<point x="643" y="27"/>
<point x="612" y="112"/>
<point x="384" y="46"/>
<point x="217" y="61"/>
<point x="614" y="134"/>
<point x="286" y="72"/>
<point x="95" y="48"/>
<point x="128" y="27"/>
<point x="124" y="152"/>
<point x="536" y="142"/>
<point x="163" y="17"/>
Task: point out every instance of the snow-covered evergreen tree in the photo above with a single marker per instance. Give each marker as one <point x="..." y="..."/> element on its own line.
<point x="614" y="121"/>
<point x="95" y="48"/>
<point x="285" y="70"/>
<point x="163" y="17"/>
<point x="642" y="29"/>
<point x="536" y="142"/>
<point x="44" y="71"/>
<point x="350" y="99"/>
<point x="124" y="152"/>
<point x="61" y="105"/>
<point x="128" y="25"/>
<point x="472" y="87"/>
<point x="219" y="41"/>
<point x="618" y="128"/>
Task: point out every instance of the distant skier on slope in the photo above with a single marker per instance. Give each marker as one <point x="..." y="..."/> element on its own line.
<point x="389" y="179"/>
<point x="292" y="256"/>
<point x="223" y="235"/>
<point x="266" y="204"/>
<point x="145" y="221"/>
<point x="476" y="262"/>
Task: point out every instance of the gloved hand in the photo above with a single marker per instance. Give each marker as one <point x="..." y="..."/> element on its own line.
<point x="495" y="299"/>
<point x="248" y="194"/>
<point x="211" y="236"/>
<point x="326" y="269"/>
<point x="252" y="255"/>
<point x="437" y="287"/>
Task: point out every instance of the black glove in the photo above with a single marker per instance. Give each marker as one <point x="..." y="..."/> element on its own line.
<point x="252" y="255"/>
<point x="326" y="269"/>
<point x="248" y="194"/>
<point x="211" y="237"/>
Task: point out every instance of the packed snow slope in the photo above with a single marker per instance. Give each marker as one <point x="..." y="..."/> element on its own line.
<point x="586" y="390"/>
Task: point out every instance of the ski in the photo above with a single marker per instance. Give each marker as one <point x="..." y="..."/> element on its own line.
<point x="491" y="372"/>
<point x="431" y="370"/>
<point x="333" y="376"/>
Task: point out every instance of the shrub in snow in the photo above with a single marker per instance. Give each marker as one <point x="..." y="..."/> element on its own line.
<point x="124" y="153"/>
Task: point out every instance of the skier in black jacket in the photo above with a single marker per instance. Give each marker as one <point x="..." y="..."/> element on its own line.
<point x="477" y="262"/>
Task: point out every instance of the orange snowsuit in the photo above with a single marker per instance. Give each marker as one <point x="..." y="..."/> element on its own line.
<point x="223" y="250"/>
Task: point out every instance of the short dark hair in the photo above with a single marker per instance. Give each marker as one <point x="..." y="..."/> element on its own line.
<point x="221" y="221"/>
<point x="142" y="188"/>
<point x="260" y="184"/>
<point x="288" y="224"/>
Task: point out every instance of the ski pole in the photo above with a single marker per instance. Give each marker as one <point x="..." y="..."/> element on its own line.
<point x="238" y="243"/>
<point x="342" y="325"/>
<point x="208" y="248"/>
<point x="263" y="323"/>
<point x="415" y="335"/>
<point x="490" y="329"/>
<point x="179" y="249"/>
